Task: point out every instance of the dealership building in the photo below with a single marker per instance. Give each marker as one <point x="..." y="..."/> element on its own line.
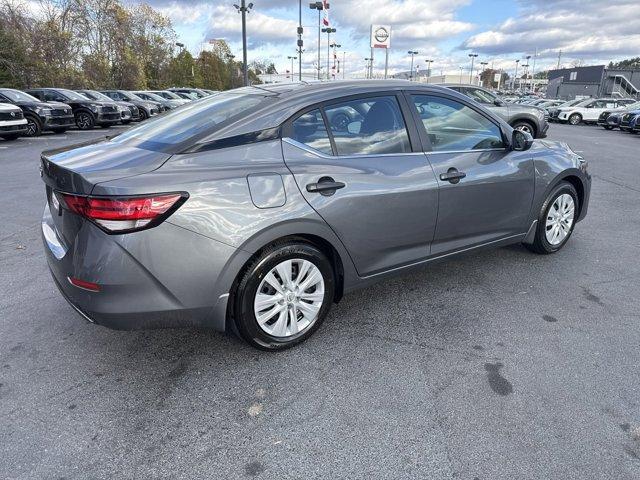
<point x="594" y="81"/>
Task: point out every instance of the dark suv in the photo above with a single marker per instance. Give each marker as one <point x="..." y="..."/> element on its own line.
<point x="527" y="118"/>
<point x="88" y="113"/>
<point x="147" y="109"/>
<point x="40" y="116"/>
<point x="128" y="111"/>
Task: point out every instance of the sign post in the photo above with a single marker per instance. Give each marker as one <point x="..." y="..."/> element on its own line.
<point x="381" y="38"/>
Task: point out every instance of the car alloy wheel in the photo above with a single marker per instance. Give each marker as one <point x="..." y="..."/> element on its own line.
<point x="525" y="128"/>
<point x="289" y="298"/>
<point x="575" y="119"/>
<point x="33" y="129"/>
<point x="560" y="218"/>
<point x="84" y="121"/>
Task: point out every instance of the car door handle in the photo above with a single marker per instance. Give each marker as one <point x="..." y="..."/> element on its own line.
<point x="326" y="186"/>
<point x="452" y="176"/>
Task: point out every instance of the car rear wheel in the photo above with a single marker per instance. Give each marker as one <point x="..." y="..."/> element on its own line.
<point x="526" y="127"/>
<point x="284" y="296"/>
<point x="85" y="121"/>
<point x="556" y="220"/>
<point x="34" y="127"/>
<point x="575" y="119"/>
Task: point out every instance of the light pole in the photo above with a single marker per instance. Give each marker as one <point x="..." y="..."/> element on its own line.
<point x="484" y="66"/>
<point x="318" y="6"/>
<point x="367" y="66"/>
<point x="300" y="42"/>
<point x="526" y="74"/>
<point x="525" y="78"/>
<point x="328" y="31"/>
<point x="460" y="77"/>
<point x="473" y="56"/>
<point x="334" y="45"/>
<point x="515" y="76"/>
<point x="243" y="10"/>
<point x="412" y="53"/>
<point x="343" y="64"/>
<point x="429" y="62"/>
<point x="292" y="59"/>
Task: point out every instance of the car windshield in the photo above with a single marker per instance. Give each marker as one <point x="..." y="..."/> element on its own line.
<point x="152" y="96"/>
<point x="131" y="96"/>
<point x="169" y="95"/>
<point x="93" y="95"/>
<point x="71" y="95"/>
<point x="191" y="120"/>
<point x="18" y="96"/>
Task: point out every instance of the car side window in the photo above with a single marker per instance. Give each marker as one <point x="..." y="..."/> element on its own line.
<point x="368" y="126"/>
<point x="53" y="97"/>
<point x="453" y="126"/>
<point x="480" y="96"/>
<point x="309" y="129"/>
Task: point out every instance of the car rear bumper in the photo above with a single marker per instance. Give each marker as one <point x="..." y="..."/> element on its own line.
<point x="163" y="277"/>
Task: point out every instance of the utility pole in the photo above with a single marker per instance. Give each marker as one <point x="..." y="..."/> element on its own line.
<point x="429" y="62"/>
<point x="300" y="42"/>
<point x="533" y="69"/>
<point x="460" y="77"/>
<point x="412" y="53"/>
<point x="473" y="56"/>
<point x="484" y="67"/>
<point x="335" y="45"/>
<point x="292" y="59"/>
<point x="318" y="6"/>
<point x="243" y="10"/>
<point x="328" y="31"/>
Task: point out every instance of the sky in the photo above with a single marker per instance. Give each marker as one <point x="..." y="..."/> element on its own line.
<point x="500" y="31"/>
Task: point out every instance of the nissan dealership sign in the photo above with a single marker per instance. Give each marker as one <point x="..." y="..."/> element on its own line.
<point x="380" y="36"/>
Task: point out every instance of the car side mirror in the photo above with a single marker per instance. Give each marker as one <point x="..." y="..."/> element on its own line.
<point x="521" y="141"/>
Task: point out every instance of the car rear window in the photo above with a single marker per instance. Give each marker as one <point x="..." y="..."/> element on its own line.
<point x="191" y="121"/>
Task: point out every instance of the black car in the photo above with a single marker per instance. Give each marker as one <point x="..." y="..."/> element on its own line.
<point x="41" y="116"/>
<point x="128" y="111"/>
<point x="88" y="113"/>
<point x="147" y="109"/>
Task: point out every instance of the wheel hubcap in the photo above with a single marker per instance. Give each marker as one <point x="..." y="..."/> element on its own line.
<point x="31" y="128"/>
<point x="524" y="128"/>
<point x="560" y="219"/>
<point x="83" y="121"/>
<point x="289" y="298"/>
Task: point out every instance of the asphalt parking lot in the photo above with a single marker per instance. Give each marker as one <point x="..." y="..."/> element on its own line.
<point x="497" y="365"/>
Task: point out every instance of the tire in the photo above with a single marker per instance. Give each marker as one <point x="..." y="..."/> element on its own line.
<point x="58" y="130"/>
<point x="541" y="243"/>
<point x="85" y="120"/>
<point x="11" y="137"/>
<point x="276" y="332"/>
<point x="525" y="126"/>
<point x="575" y="119"/>
<point x="34" y="126"/>
<point x="143" y="115"/>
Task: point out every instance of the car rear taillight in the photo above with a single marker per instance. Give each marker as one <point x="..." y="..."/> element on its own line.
<point x="125" y="214"/>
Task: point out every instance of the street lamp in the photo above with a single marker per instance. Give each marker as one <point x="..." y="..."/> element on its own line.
<point x="300" y="42"/>
<point x="318" y="6"/>
<point x="527" y="75"/>
<point x="292" y="59"/>
<point x="473" y="56"/>
<point x="412" y="53"/>
<point x="180" y="45"/>
<point x="429" y="62"/>
<point x="515" y="76"/>
<point x="484" y="66"/>
<point x="343" y="64"/>
<point x="368" y="66"/>
<point x="243" y="10"/>
<point x="334" y="45"/>
<point x="328" y="31"/>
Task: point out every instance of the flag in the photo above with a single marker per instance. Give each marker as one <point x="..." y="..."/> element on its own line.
<point x="325" y="19"/>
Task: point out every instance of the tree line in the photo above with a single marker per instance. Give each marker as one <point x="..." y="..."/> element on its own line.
<point x="106" y="44"/>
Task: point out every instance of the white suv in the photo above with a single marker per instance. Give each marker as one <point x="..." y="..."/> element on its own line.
<point x="590" y="109"/>
<point x="12" y="122"/>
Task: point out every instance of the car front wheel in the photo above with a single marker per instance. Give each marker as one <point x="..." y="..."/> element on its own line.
<point x="556" y="220"/>
<point x="575" y="119"/>
<point x="525" y="127"/>
<point x="85" y="121"/>
<point x="284" y="296"/>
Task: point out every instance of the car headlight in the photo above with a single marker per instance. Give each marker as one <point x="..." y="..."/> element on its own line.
<point x="94" y="108"/>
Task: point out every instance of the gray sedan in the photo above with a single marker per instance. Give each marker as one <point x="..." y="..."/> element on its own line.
<point x="249" y="211"/>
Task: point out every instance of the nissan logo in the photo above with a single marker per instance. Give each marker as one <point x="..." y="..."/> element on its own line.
<point x="381" y="35"/>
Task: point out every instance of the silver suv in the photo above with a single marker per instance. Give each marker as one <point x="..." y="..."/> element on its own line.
<point x="527" y="118"/>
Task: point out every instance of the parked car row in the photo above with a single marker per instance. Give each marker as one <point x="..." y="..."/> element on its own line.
<point x="575" y="112"/>
<point x="33" y="111"/>
<point x="626" y="119"/>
